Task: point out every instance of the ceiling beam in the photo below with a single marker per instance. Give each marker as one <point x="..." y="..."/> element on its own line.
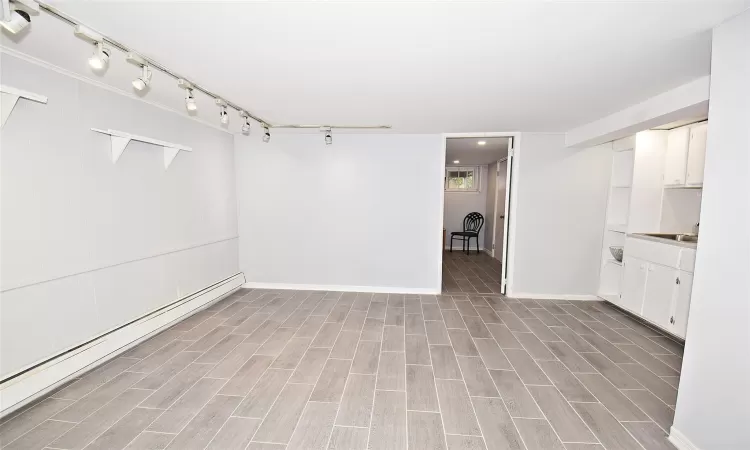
<point x="686" y="101"/>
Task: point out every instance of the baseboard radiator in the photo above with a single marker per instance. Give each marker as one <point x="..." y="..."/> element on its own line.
<point x="23" y="387"/>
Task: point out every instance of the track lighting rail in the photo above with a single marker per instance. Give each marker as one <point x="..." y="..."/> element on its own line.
<point x="160" y="67"/>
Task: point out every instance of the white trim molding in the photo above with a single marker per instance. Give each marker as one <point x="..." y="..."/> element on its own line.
<point x="37" y="382"/>
<point x="340" y="288"/>
<point x="680" y="441"/>
<point x="535" y="296"/>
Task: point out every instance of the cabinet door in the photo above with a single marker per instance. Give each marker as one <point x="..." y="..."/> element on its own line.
<point x="681" y="307"/>
<point x="676" y="156"/>
<point x="633" y="284"/>
<point x="696" y="155"/>
<point x="661" y="284"/>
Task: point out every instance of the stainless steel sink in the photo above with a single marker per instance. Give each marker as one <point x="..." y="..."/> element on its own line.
<point x="675" y="237"/>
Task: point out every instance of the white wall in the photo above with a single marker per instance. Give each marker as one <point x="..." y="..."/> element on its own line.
<point x="558" y="206"/>
<point x="713" y="405"/>
<point x="459" y="204"/>
<point x="363" y="213"/>
<point x="87" y="244"/>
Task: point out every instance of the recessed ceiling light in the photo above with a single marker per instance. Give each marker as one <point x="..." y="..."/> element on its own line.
<point x="481" y="142"/>
<point x="456" y="162"/>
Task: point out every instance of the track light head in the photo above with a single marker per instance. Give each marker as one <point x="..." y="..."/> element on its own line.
<point x="329" y="136"/>
<point x="100" y="58"/>
<point x="223" y="115"/>
<point x="246" y="125"/>
<point x="266" y="134"/>
<point x="189" y="99"/>
<point x="144" y="80"/>
<point x="15" y="15"/>
<point x="17" y="21"/>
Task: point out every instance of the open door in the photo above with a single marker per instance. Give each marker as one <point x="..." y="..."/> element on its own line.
<point x="507" y="217"/>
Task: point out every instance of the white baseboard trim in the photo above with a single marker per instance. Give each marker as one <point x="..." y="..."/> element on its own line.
<point x="534" y="296"/>
<point x="20" y="391"/>
<point x="680" y="441"/>
<point x="339" y="288"/>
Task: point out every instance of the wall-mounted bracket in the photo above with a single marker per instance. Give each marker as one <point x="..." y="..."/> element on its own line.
<point x="10" y="95"/>
<point x="121" y="139"/>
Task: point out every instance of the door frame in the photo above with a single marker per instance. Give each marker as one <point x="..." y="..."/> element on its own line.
<point x="494" y="207"/>
<point x="510" y="205"/>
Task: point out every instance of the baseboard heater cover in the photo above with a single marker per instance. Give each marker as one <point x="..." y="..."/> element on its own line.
<point x="22" y="388"/>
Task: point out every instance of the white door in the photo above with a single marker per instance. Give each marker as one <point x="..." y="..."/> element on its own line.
<point x="633" y="284"/>
<point x="507" y="218"/>
<point x="490" y="206"/>
<point x="658" y="297"/>
<point x="499" y="241"/>
<point x="696" y="155"/>
<point x="681" y="308"/>
<point x="676" y="156"/>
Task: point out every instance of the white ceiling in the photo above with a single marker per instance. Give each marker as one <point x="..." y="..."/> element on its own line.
<point x="469" y="152"/>
<point x="419" y="66"/>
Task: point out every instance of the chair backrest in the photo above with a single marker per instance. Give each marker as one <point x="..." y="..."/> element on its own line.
<point x="473" y="222"/>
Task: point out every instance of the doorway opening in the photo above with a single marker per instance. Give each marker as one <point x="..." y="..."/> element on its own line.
<point x="476" y="197"/>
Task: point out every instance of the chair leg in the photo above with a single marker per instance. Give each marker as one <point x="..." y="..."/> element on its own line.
<point x="477" y="238"/>
<point x="451" y="244"/>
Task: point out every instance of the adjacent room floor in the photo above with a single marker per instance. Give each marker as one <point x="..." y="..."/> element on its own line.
<point x="274" y="370"/>
<point x="475" y="273"/>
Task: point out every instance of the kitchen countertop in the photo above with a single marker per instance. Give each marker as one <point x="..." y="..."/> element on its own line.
<point x="645" y="237"/>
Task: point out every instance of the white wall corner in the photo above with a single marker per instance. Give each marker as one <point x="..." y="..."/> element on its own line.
<point x="680" y="441"/>
<point x="686" y="101"/>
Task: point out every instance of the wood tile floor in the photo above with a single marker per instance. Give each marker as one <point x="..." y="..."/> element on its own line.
<point x="283" y="370"/>
<point x="475" y="273"/>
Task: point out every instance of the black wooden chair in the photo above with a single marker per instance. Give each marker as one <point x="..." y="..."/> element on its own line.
<point x="473" y="223"/>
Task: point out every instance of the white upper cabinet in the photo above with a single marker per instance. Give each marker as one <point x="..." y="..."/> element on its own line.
<point x="685" y="156"/>
<point x="696" y="155"/>
<point x="676" y="157"/>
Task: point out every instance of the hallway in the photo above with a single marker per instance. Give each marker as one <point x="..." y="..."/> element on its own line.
<point x="283" y="370"/>
<point x="470" y="274"/>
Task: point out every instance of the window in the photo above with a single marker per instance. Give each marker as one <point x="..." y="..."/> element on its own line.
<point x="462" y="179"/>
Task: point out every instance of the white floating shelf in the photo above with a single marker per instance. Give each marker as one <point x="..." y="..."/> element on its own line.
<point x="10" y="96"/>
<point x="121" y="139"/>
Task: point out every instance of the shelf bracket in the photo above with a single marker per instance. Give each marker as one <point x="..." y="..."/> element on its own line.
<point x="119" y="141"/>
<point x="10" y="95"/>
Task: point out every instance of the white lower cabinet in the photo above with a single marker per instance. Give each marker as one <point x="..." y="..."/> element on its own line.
<point x="681" y="306"/>
<point x="633" y="284"/>
<point x="659" y="294"/>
